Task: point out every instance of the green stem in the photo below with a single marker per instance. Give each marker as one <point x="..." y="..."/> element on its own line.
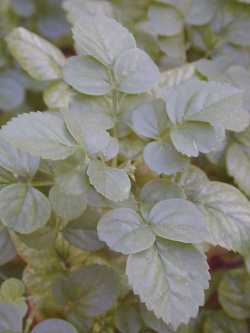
<point x="42" y="183"/>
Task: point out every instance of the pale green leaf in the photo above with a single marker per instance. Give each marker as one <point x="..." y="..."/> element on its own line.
<point x="23" y="208"/>
<point x="87" y="76"/>
<point x="217" y="103"/>
<point x="170" y="278"/>
<point x="163" y="158"/>
<point x="194" y="137"/>
<point x="135" y="72"/>
<point x="234" y="294"/>
<point x="238" y="166"/>
<point x="150" y="120"/>
<point x="67" y="206"/>
<point x="101" y="37"/>
<point x="41" y="134"/>
<point x="88" y="123"/>
<point x="39" y="58"/>
<point x="20" y="164"/>
<point x="158" y="190"/>
<point x="124" y="231"/>
<point x="58" y="95"/>
<point x="54" y="326"/>
<point x="113" y="183"/>
<point x="178" y="220"/>
<point x="165" y="20"/>
<point x="12" y="292"/>
<point x="227" y="214"/>
<point x="82" y="232"/>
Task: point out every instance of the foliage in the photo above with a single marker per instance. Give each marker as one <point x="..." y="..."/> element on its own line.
<point x="124" y="166"/>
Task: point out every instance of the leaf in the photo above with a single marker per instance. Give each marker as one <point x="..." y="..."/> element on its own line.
<point x="194" y="137"/>
<point x="227" y="214"/>
<point x="150" y="120"/>
<point x="11" y="94"/>
<point x="178" y="220"/>
<point x="201" y="12"/>
<point x="7" y="248"/>
<point x="152" y="322"/>
<point x="39" y="58"/>
<point x="41" y="134"/>
<point x="158" y="190"/>
<point x="170" y="278"/>
<point x="165" y="20"/>
<point x="54" y="326"/>
<point x="238" y="164"/>
<point x="124" y="231"/>
<point x="88" y="123"/>
<point x="163" y="158"/>
<point x="20" y="164"/>
<point x="135" y="72"/>
<point x="217" y="103"/>
<point x="101" y="37"/>
<point x="220" y="322"/>
<point x="12" y="292"/>
<point x="58" y="95"/>
<point x="82" y="232"/>
<point x="113" y="183"/>
<point x="234" y="292"/>
<point x="23" y="208"/>
<point x="87" y="76"/>
<point x="67" y="206"/>
<point x="127" y="319"/>
<point x="10" y="319"/>
<point x="100" y="283"/>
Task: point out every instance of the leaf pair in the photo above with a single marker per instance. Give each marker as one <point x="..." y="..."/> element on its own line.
<point x="22" y="207"/>
<point x="108" y="59"/>
<point x="160" y="267"/>
<point x="192" y="120"/>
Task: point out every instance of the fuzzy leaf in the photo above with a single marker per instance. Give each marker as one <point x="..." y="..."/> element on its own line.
<point x="163" y="158"/>
<point x="67" y="206"/>
<point x="135" y="72"/>
<point x="23" y="208"/>
<point x="87" y="76"/>
<point x="113" y="183"/>
<point x="101" y="37"/>
<point x="178" y="220"/>
<point x="41" y="134"/>
<point x="170" y="278"/>
<point x="150" y="120"/>
<point x="227" y="214"/>
<point x="39" y="58"/>
<point x="124" y="231"/>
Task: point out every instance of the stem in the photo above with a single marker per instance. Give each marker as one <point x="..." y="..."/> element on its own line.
<point x="42" y="183"/>
<point x="29" y="321"/>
